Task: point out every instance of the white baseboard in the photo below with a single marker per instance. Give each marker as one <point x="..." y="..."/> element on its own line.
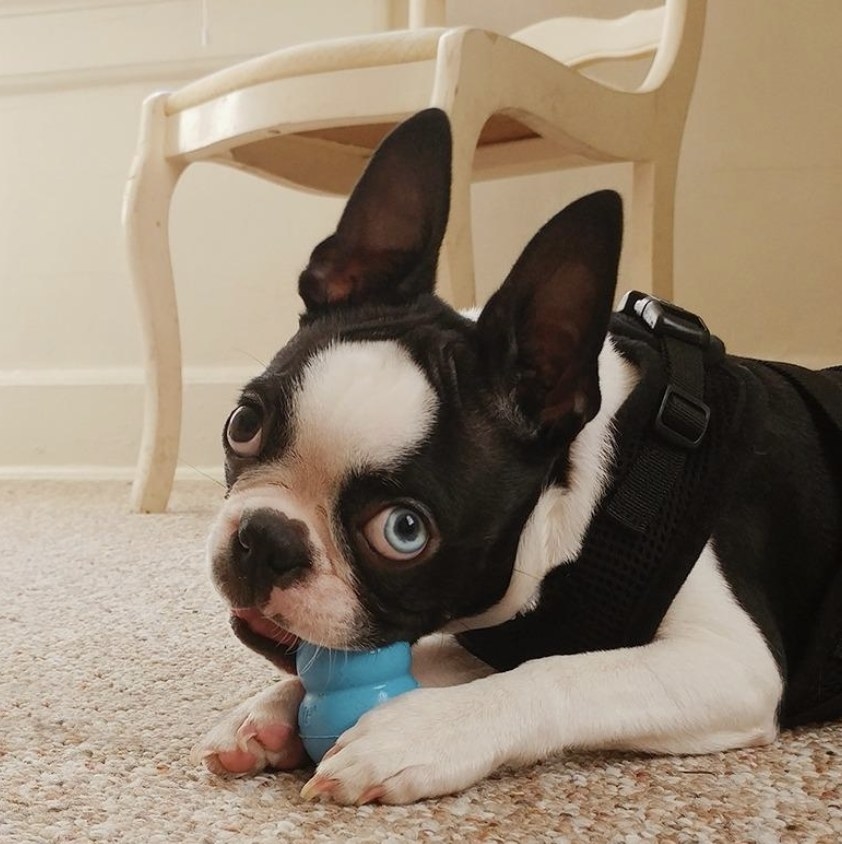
<point x="86" y="423"/>
<point x="212" y="474"/>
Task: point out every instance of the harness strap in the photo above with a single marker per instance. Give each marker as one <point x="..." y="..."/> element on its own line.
<point x="682" y="419"/>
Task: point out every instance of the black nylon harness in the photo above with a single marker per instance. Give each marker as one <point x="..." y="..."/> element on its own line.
<point x="681" y="437"/>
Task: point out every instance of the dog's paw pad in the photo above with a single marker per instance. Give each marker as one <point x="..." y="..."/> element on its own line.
<point x="260" y="733"/>
<point x="275" y="746"/>
<point x="236" y="762"/>
<point x="277" y="737"/>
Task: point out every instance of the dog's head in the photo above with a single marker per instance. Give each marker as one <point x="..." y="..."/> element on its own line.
<point x="382" y="468"/>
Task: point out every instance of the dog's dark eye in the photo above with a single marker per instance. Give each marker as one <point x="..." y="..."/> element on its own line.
<point x="397" y="533"/>
<point x="244" y="431"/>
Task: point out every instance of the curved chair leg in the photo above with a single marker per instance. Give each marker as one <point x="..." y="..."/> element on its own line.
<point x="650" y="228"/>
<point x="145" y="220"/>
<point x="468" y="105"/>
<point x="456" y="263"/>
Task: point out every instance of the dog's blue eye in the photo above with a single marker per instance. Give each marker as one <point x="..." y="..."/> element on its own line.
<point x="398" y="533"/>
<point x="405" y="531"/>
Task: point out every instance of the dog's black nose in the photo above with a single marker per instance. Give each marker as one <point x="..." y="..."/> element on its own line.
<point x="268" y="542"/>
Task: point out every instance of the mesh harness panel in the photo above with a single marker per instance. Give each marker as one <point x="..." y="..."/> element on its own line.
<point x="631" y="566"/>
<point x="652" y="524"/>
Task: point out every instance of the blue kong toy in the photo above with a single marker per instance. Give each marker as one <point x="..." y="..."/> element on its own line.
<point x="341" y="686"/>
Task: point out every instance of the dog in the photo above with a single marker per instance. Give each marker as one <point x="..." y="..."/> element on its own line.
<point x="591" y="542"/>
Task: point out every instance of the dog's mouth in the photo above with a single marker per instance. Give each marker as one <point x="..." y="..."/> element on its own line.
<point x="266" y="637"/>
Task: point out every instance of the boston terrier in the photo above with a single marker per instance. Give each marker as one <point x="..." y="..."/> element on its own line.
<point x="598" y="530"/>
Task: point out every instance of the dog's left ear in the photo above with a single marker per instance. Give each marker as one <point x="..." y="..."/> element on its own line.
<point x="386" y="245"/>
<point x="542" y="331"/>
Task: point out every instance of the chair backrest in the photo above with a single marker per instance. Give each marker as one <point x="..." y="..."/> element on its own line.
<point x="580" y="41"/>
<point x="662" y="32"/>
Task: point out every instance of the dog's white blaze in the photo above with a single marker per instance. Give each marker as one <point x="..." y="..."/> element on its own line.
<point x="361" y="405"/>
<point x="554" y="533"/>
<point x="357" y="406"/>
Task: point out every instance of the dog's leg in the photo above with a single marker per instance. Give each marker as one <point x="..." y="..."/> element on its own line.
<point x="262" y="732"/>
<point x="707" y="682"/>
<point x="439" y="660"/>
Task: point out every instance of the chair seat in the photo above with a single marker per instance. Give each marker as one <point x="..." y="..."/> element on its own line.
<point x="262" y="155"/>
<point x="377" y="50"/>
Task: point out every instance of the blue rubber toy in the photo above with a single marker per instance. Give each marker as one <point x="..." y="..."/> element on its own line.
<point x="341" y="686"/>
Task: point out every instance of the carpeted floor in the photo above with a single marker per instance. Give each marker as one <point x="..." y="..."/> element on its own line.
<point x="116" y="656"/>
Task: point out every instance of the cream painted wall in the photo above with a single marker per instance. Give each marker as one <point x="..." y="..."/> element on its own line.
<point x="760" y="200"/>
<point x="760" y="196"/>
<point x="759" y="205"/>
<point x="73" y="74"/>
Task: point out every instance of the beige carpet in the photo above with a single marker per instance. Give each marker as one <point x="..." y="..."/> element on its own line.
<point x="116" y="656"/>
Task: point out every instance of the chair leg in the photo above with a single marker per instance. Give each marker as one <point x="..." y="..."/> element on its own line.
<point x="650" y="227"/>
<point x="468" y="105"/>
<point x="456" y="280"/>
<point x="146" y="220"/>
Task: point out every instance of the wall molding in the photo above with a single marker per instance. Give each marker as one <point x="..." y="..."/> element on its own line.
<point x="212" y="474"/>
<point x="187" y="56"/>
<point x="87" y="423"/>
<point x="116" y="74"/>
<point x="28" y="8"/>
<point x="123" y="376"/>
<point x="113" y="42"/>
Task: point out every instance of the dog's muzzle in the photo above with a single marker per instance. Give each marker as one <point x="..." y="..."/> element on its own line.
<point x="268" y="544"/>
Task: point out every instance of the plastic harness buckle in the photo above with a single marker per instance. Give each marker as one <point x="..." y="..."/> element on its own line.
<point x="665" y="319"/>
<point x="682" y="419"/>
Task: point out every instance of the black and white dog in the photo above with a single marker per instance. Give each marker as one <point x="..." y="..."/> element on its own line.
<point x="575" y="568"/>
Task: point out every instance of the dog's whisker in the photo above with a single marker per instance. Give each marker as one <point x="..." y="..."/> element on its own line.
<point x="527" y="574"/>
<point x="317" y="649"/>
<point x="464" y="628"/>
<point x="205" y="475"/>
<point x="248" y="354"/>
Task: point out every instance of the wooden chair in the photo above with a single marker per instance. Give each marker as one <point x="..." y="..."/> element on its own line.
<point x="310" y="115"/>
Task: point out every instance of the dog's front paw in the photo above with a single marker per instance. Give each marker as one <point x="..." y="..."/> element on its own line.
<point x="426" y="743"/>
<point x="262" y="732"/>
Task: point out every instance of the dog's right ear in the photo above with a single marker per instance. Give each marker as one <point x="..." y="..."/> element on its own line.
<point x="541" y="333"/>
<point x="386" y="245"/>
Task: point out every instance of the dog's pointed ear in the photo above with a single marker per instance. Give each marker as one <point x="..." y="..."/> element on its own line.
<point x="542" y="331"/>
<point x="385" y="248"/>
